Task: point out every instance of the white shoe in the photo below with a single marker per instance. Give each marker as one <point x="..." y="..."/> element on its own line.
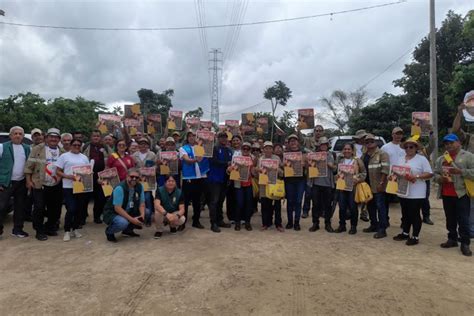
<point x="67" y="236"/>
<point x="76" y="233"/>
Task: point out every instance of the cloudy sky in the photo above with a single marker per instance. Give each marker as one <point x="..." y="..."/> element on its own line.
<point x="313" y="57"/>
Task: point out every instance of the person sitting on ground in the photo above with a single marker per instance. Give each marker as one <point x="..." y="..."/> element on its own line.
<point x="169" y="207"/>
<point x="125" y="209"/>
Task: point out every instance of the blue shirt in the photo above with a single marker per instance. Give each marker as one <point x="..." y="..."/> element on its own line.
<point x="118" y="198"/>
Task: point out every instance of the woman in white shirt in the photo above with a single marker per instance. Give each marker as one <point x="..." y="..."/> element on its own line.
<point x="420" y="171"/>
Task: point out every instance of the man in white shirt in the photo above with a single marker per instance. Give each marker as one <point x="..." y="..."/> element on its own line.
<point x="13" y="155"/>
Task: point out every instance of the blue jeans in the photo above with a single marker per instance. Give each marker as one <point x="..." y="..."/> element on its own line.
<point x="149" y="207"/>
<point x="74" y="203"/>
<point x="244" y="210"/>
<point x="347" y="202"/>
<point x="294" y="196"/>
<point x="378" y="212"/>
<point x="471" y="219"/>
<point x="118" y="224"/>
<point x="457" y="217"/>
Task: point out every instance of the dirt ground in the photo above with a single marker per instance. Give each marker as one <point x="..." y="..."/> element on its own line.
<point x="233" y="273"/>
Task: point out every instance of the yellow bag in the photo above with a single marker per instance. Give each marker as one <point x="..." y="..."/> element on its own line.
<point x="469" y="187"/>
<point x="363" y="193"/>
<point x="275" y="191"/>
<point x="255" y="188"/>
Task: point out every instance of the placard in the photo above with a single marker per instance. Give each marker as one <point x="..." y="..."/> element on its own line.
<point x="306" y="118"/>
<point x="133" y="126"/>
<point x="83" y="179"/>
<point x="148" y="178"/>
<point x="108" y="123"/>
<point x="248" y="124"/>
<point x="169" y="162"/>
<point x="154" y="126"/>
<point x="175" y="120"/>
<point x="232" y="126"/>
<point x="345" y="180"/>
<point x="262" y="125"/>
<point x="132" y="111"/>
<point x="396" y="180"/>
<point x="241" y="168"/>
<point x="420" y="123"/>
<point x="193" y="123"/>
<point x="318" y="164"/>
<point x="293" y="164"/>
<point x="204" y="144"/>
<point x="269" y="171"/>
<point x="108" y="179"/>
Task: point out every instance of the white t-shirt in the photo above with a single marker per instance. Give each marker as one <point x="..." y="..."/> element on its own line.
<point x="348" y="161"/>
<point x="183" y="152"/>
<point x="19" y="160"/>
<point x="418" y="165"/>
<point x="67" y="161"/>
<point x="358" y="148"/>
<point x="394" y="152"/>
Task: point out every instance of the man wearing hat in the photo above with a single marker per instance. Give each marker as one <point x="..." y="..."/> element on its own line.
<point x="451" y="171"/>
<point x="217" y="182"/>
<point x="177" y="139"/>
<point x="36" y="137"/>
<point x="359" y="142"/>
<point x="45" y="184"/>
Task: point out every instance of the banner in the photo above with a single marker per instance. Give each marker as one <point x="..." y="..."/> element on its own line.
<point x="148" y="178"/>
<point x="205" y="144"/>
<point x="193" y="123"/>
<point x="169" y="162"/>
<point x="262" y="125"/>
<point x="318" y="164"/>
<point x="269" y="172"/>
<point x="109" y="179"/>
<point x="83" y="179"/>
<point x="248" y="124"/>
<point x="345" y="180"/>
<point x="397" y="184"/>
<point x="109" y="123"/>
<point x="133" y="126"/>
<point x="175" y="120"/>
<point x="132" y="111"/>
<point x="306" y="118"/>
<point x="420" y="123"/>
<point x="241" y="168"/>
<point x="293" y="164"/>
<point x="154" y="126"/>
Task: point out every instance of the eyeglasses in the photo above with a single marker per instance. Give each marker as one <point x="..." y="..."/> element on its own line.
<point x="76" y="145"/>
<point x="134" y="177"/>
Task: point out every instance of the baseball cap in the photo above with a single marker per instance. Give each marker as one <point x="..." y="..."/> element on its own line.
<point x="369" y="137"/>
<point x="292" y="136"/>
<point x="267" y="143"/>
<point x="397" y="129"/>
<point x="451" y="138"/>
<point x="36" y="130"/>
<point x="170" y="140"/>
<point x="144" y="139"/>
<point x="176" y="133"/>
<point x="360" y="134"/>
<point x="222" y="135"/>
<point x="246" y="144"/>
<point x="53" y="131"/>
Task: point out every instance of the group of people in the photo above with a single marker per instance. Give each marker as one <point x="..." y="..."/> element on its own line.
<point x="44" y="173"/>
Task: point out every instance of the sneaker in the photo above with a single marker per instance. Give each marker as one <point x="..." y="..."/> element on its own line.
<point x="215" y="228"/>
<point x="340" y="229"/>
<point x="248" y="227"/>
<point x="401" y="237"/>
<point x="280" y="228"/>
<point x="466" y="251"/>
<point x="412" y="241"/>
<point x="19" y="233"/>
<point x="130" y="233"/>
<point x="41" y="237"/>
<point x="158" y="235"/>
<point x="380" y="234"/>
<point x="449" y="244"/>
<point x="76" y="234"/>
<point x="428" y="221"/>
<point x="111" y="237"/>
<point x="289" y="226"/>
<point x="173" y="230"/>
<point x="353" y="230"/>
<point x="370" y="229"/>
<point x="67" y="236"/>
<point x="314" y="228"/>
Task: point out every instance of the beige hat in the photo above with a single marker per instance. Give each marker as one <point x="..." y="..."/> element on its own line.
<point x="170" y="140"/>
<point x="323" y="140"/>
<point x="360" y="134"/>
<point x="292" y="136"/>
<point x="144" y="139"/>
<point x="54" y="131"/>
<point x="267" y="143"/>
<point x="411" y="140"/>
<point x="246" y="144"/>
<point x="397" y="129"/>
<point x="36" y="130"/>
<point x="176" y="133"/>
<point x="369" y="136"/>
<point x="256" y="146"/>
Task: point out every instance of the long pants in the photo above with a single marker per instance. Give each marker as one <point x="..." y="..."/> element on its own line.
<point x="47" y="203"/>
<point x="216" y="193"/>
<point x="99" y="199"/>
<point x="149" y="207"/>
<point x="347" y="203"/>
<point x="269" y="207"/>
<point x="160" y="219"/>
<point x="390" y="198"/>
<point x="244" y="210"/>
<point x="378" y="212"/>
<point x="426" y="207"/>
<point x="307" y="199"/>
<point x="118" y="224"/>
<point x="294" y="196"/>
<point x="230" y="202"/>
<point x="322" y="197"/>
<point x="74" y="205"/>
<point x="471" y="219"/>
<point x="411" y="209"/>
<point x="17" y="190"/>
<point x="192" y="190"/>
<point x="457" y="211"/>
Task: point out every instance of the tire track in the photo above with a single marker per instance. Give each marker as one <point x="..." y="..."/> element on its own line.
<point x="134" y="301"/>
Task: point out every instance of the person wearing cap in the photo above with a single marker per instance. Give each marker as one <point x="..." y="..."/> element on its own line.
<point x="243" y="194"/>
<point x="377" y="164"/>
<point x="269" y="206"/>
<point x="294" y="188"/>
<point x="194" y="171"/>
<point x="45" y="184"/>
<point x="451" y="171"/>
<point x="256" y="150"/>
<point x="411" y="204"/>
<point x="13" y="156"/>
<point x="322" y="190"/>
<point x="37" y="137"/>
<point x="359" y="142"/>
<point x="177" y="139"/>
<point x="236" y="148"/>
<point x="217" y="179"/>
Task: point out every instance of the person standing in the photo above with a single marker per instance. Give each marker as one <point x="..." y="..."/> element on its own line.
<point x="451" y="171"/>
<point x="13" y="155"/>
<point x="46" y="185"/>
<point x="236" y="143"/>
<point x="411" y="204"/>
<point x="121" y="160"/>
<point x="65" y="144"/>
<point x="37" y="137"/>
<point x="144" y="157"/>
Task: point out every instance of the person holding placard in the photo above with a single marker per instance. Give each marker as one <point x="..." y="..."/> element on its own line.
<point x="411" y="204"/>
<point x="236" y="144"/>
<point x="144" y="157"/>
<point x="120" y="159"/>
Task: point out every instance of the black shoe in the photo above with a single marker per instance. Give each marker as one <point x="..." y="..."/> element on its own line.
<point x="401" y="237"/>
<point x="19" y="233"/>
<point x="370" y="229"/>
<point x="215" y="228"/>
<point x="198" y="225"/>
<point x="466" y="250"/>
<point x="1" y="232"/>
<point x="314" y="228"/>
<point x="41" y="237"/>
<point x="98" y="221"/>
<point x="237" y="227"/>
<point x="412" y="241"/>
<point x="130" y="233"/>
<point x="328" y="228"/>
<point x="428" y="221"/>
<point x="173" y="230"/>
<point x="304" y="215"/>
<point x="340" y="229"/>
<point x="224" y="225"/>
<point x="364" y="218"/>
<point x="158" y="235"/>
<point x="248" y="226"/>
<point x="51" y="233"/>
<point x="353" y="230"/>
<point x="181" y="227"/>
<point x="297" y="227"/>
<point x="449" y="244"/>
<point x="111" y="237"/>
<point x="289" y="226"/>
<point x="380" y="234"/>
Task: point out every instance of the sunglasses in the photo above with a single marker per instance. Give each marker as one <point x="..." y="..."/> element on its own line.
<point x="245" y="148"/>
<point x="369" y="141"/>
<point x="410" y="147"/>
<point x="134" y="177"/>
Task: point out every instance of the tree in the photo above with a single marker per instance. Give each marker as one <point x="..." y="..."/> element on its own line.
<point x="343" y="106"/>
<point x="157" y="103"/>
<point x="194" y="113"/>
<point x="278" y="94"/>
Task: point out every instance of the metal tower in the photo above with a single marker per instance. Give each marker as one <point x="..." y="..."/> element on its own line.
<point x="215" y="65"/>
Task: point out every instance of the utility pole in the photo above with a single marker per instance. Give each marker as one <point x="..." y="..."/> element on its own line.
<point x="433" y="80"/>
<point x="215" y="65"/>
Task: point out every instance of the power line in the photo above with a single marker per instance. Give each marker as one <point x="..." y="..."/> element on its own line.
<point x="181" y="28"/>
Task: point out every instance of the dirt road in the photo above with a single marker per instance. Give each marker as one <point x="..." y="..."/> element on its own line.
<point x="233" y="273"/>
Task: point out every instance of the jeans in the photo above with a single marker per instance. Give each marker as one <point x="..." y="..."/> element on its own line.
<point x="378" y="212"/>
<point x="307" y="199"/>
<point x="426" y="207"/>
<point x="192" y="190"/>
<point x="17" y="190"/>
<point x="118" y="224"/>
<point x="388" y="199"/>
<point x="149" y="207"/>
<point x="244" y="210"/>
<point x="99" y="199"/>
<point x="269" y="207"/>
<point x="411" y="215"/>
<point x="322" y="197"/>
<point x="457" y="211"/>
<point x="347" y="202"/>
<point x="47" y="203"/>
<point x="74" y="205"/>
<point x="230" y="202"/>
<point x="294" y="195"/>
<point x="216" y="196"/>
<point x="471" y="219"/>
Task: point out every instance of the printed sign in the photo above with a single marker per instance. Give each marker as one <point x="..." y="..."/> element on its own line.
<point x="205" y="144"/>
<point x="306" y="118"/>
<point x="83" y="179"/>
<point x="148" y="178"/>
<point x="420" y="123"/>
<point x="269" y="171"/>
<point x="133" y="126"/>
<point x="206" y="125"/>
<point x="293" y="164"/>
<point x="153" y="125"/>
<point x="397" y="184"/>
<point x="345" y="179"/>
<point x="109" y="123"/>
<point x="232" y="126"/>
<point x="262" y="125"/>
<point x="108" y="179"/>
<point x="132" y="111"/>
<point x="193" y="123"/>
<point x="318" y="164"/>
<point x="248" y="124"/>
<point x="241" y="168"/>
<point x="169" y="162"/>
<point x="175" y="120"/>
